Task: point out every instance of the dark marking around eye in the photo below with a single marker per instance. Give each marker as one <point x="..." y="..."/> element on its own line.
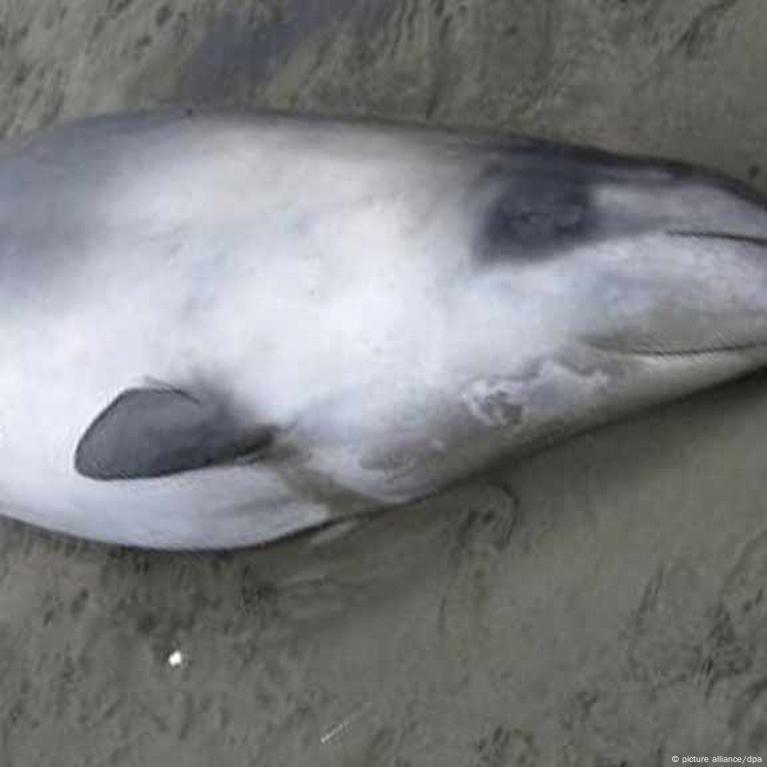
<point x="533" y="215"/>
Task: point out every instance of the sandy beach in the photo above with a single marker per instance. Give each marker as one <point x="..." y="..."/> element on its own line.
<point x="599" y="604"/>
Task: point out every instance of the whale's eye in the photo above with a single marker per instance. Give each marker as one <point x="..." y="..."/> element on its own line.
<point x="534" y="215"/>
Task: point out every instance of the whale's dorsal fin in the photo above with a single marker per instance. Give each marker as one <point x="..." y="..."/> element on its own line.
<point x="153" y="432"/>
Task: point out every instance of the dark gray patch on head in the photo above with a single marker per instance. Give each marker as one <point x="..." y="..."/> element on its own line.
<point x="539" y="200"/>
<point x="534" y="214"/>
<point x="155" y="432"/>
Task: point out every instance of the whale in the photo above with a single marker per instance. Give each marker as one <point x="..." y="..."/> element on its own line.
<point x="218" y="329"/>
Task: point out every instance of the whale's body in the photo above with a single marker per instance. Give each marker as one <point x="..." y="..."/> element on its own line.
<point x="216" y="330"/>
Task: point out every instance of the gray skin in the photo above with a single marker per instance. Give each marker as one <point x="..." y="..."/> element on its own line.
<point x="219" y="329"/>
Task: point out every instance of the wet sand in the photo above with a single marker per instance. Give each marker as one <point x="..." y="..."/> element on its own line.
<point x="600" y="603"/>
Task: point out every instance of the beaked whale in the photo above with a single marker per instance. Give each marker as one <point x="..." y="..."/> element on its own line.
<point x="220" y="329"/>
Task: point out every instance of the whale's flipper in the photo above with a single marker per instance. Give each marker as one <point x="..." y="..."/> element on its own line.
<point x="153" y="432"/>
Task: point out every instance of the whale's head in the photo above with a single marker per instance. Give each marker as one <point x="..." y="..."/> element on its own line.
<point x="592" y="286"/>
<point x="643" y="258"/>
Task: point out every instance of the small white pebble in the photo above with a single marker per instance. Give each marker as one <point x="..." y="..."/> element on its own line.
<point x="175" y="659"/>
